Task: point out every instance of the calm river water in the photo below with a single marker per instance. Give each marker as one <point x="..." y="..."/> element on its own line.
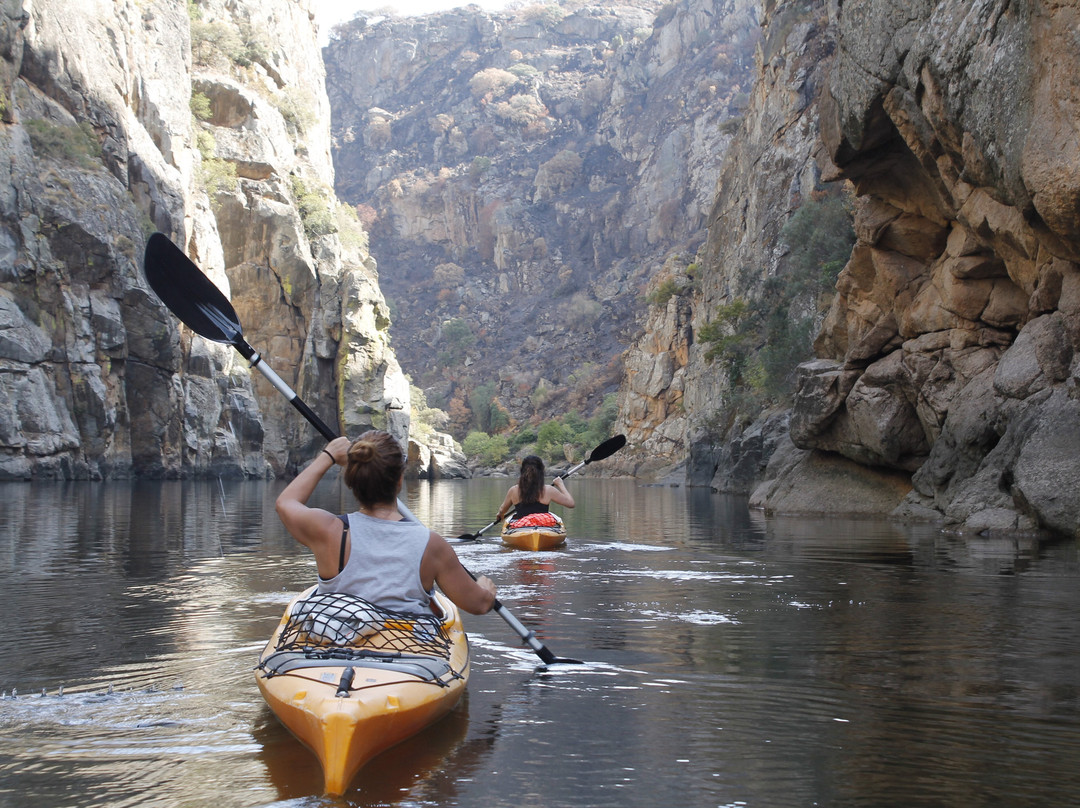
<point x="730" y="659"/>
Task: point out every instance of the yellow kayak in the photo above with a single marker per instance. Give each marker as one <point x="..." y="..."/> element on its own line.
<point x="533" y="538"/>
<point x="351" y="680"/>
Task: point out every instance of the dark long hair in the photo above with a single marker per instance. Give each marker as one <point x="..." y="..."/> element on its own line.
<point x="531" y="479"/>
<point x="375" y="465"/>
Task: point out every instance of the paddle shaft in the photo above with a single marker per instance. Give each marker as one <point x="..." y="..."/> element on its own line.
<point x="253" y="357"/>
<point x="475" y="536"/>
<point x="528" y="636"/>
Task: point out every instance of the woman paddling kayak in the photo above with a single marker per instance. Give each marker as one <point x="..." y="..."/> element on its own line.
<point x="375" y="552"/>
<point x="530" y="498"/>
<point x="372" y="653"/>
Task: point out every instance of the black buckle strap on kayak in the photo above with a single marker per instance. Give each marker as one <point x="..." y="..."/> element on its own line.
<point x="346" y="683"/>
<point x="341" y="621"/>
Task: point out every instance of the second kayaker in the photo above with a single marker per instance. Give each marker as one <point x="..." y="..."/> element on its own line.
<point x="376" y="552"/>
<point x="530" y="498"/>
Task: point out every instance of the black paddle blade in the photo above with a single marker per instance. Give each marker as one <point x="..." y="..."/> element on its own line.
<point x="607" y="448"/>
<point x="189" y="294"/>
<point x="477" y="534"/>
<point x="558" y="660"/>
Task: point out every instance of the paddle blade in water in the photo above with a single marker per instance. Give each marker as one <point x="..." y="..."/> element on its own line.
<point x="188" y="293"/>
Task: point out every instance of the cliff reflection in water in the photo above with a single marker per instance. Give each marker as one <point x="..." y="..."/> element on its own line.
<point x="729" y="657"/>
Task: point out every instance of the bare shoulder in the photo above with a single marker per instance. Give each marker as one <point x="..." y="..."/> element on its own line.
<point x="439" y="548"/>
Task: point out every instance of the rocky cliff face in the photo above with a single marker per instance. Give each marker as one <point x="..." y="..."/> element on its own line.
<point x="675" y="404"/>
<point x="527" y="174"/>
<point x="207" y="123"/>
<point x="950" y="350"/>
<point x="948" y="357"/>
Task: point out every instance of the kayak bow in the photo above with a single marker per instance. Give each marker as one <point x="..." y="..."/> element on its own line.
<point x="349" y="684"/>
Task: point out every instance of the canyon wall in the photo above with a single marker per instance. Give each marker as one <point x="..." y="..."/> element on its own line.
<point x="526" y="175"/>
<point x="676" y="404"/>
<point x="950" y="351"/>
<point x="207" y="121"/>
<point x="945" y="383"/>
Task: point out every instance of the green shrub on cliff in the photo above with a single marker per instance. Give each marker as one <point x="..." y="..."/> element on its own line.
<point x="424" y="420"/>
<point x="76" y="144"/>
<point x="200" y="106"/>
<point x="456" y="341"/>
<point x="491" y="82"/>
<point x="820" y="236"/>
<point x="663" y="292"/>
<point x="350" y="229"/>
<point x="569" y="437"/>
<point x="216" y="175"/>
<point x="217" y="44"/>
<point x="521" y="110"/>
<point x="488" y="414"/>
<point x="295" y="109"/>
<point x="490" y="450"/>
<point x="213" y="173"/>
<point x="313" y="203"/>
<point x="212" y="43"/>
<point x="760" y="341"/>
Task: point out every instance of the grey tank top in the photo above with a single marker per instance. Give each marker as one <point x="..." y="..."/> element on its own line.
<point x="384" y="564"/>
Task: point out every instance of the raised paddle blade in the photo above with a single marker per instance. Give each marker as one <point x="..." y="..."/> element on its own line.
<point x="188" y="293"/>
<point x="607" y="448"/>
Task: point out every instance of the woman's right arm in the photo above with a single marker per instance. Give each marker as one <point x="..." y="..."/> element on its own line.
<point x="315" y="528"/>
<point x="559" y="495"/>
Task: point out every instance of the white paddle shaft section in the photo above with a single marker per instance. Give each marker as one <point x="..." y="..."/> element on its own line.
<point x="511" y="621"/>
<point x="528" y="636"/>
<point x="525" y="634"/>
<point x="272" y="377"/>
<point x="575" y="468"/>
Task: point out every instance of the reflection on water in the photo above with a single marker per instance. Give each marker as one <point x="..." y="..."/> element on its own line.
<point x="730" y="659"/>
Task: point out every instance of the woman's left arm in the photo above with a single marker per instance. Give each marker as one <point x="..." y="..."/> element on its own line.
<point x="559" y="495"/>
<point x="507" y="505"/>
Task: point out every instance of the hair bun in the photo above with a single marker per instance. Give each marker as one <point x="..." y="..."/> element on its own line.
<point x="362" y="451"/>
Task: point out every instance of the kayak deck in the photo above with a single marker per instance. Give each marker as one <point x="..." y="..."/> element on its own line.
<point x="350" y="685"/>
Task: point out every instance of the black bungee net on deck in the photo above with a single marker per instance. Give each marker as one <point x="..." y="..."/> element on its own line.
<point x="346" y="623"/>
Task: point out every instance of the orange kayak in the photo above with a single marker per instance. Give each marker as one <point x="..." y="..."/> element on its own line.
<point x="350" y="680"/>
<point x="534" y="538"/>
